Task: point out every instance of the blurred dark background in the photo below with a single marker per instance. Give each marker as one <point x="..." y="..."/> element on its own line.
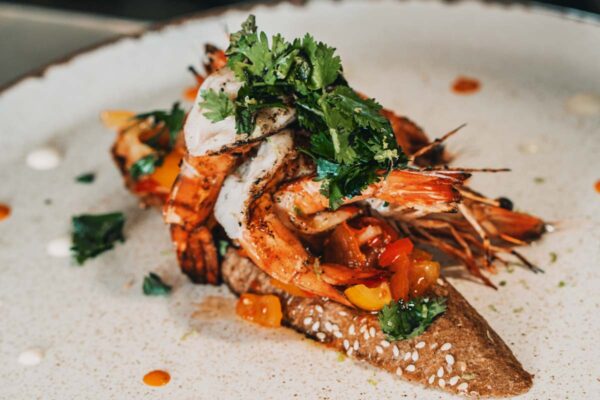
<point x="36" y="32"/>
<point x="156" y="10"/>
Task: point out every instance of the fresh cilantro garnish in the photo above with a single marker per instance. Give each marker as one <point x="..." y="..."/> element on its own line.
<point x="86" y="178"/>
<point x="218" y="106"/>
<point x="169" y="122"/>
<point x="145" y="165"/>
<point x="405" y="320"/>
<point x="95" y="234"/>
<point x="352" y="144"/>
<point x="222" y="246"/>
<point x="154" y="286"/>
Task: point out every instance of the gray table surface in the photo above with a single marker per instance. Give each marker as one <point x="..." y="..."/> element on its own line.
<point x="31" y="36"/>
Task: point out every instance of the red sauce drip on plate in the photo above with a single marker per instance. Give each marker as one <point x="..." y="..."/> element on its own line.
<point x="465" y="85"/>
<point x="157" y="378"/>
<point x="4" y="211"/>
<point x="597" y="186"/>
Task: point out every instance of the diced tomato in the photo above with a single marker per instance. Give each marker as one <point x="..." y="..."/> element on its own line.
<point x="399" y="283"/>
<point x="394" y="250"/>
<point x="343" y="247"/>
<point x="146" y="185"/>
<point x="422" y="276"/>
<point x="421" y="255"/>
<point x="373" y="235"/>
<point x="370" y="299"/>
<point x="264" y="310"/>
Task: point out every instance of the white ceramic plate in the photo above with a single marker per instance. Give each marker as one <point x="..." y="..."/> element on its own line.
<point x="100" y="334"/>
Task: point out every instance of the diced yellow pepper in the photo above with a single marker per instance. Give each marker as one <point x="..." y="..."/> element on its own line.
<point x="165" y="174"/>
<point x="117" y="119"/>
<point x="370" y="299"/>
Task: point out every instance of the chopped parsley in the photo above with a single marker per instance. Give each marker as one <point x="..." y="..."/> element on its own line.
<point x="405" y="320"/>
<point x="218" y="105"/>
<point x="562" y="284"/>
<point x="154" y="286"/>
<point x="553" y="257"/>
<point x="222" y="246"/>
<point x="352" y="144"/>
<point x="86" y="178"/>
<point x="167" y="123"/>
<point x="145" y="165"/>
<point x="95" y="234"/>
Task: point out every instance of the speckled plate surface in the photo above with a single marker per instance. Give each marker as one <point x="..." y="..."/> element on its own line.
<point x="100" y="335"/>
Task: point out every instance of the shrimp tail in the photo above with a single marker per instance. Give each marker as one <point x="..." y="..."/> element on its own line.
<point x="197" y="254"/>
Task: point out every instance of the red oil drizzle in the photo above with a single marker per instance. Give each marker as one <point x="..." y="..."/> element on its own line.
<point x="465" y="85"/>
<point x="597" y="186"/>
<point x="157" y="378"/>
<point x="4" y="211"/>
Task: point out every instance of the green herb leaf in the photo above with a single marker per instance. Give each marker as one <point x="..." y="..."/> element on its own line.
<point x="218" y="105"/>
<point x="352" y="144"/>
<point x="172" y="122"/>
<point x="145" y="166"/>
<point x="325" y="65"/>
<point x="154" y="286"/>
<point x="86" y="178"/>
<point x="405" y="320"/>
<point x="95" y="234"/>
<point x="222" y="246"/>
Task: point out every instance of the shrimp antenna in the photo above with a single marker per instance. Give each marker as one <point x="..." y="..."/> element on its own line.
<point x="194" y="71"/>
<point x="521" y="257"/>
<point x="435" y="143"/>
<point x="450" y="169"/>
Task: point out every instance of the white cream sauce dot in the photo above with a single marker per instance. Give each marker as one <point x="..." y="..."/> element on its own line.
<point x="59" y="247"/>
<point x="529" y="148"/>
<point x="44" y="158"/>
<point x="585" y="104"/>
<point x="31" y="357"/>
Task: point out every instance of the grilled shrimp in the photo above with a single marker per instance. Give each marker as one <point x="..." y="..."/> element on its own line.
<point x="189" y="209"/>
<point x="266" y="217"/>
<point x="244" y="208"/>
<point x="424" y="192"/>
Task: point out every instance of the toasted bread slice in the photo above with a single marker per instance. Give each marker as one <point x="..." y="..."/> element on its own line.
<point x="459" y="352"/>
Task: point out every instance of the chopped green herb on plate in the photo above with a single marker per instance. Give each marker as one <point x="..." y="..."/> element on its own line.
<point x="154" y="286"/>
<point x="95" y="234"/>
<point x="88" y="177"/>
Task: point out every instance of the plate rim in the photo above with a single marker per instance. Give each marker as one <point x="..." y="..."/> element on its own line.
<point x="40" y="72"/>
